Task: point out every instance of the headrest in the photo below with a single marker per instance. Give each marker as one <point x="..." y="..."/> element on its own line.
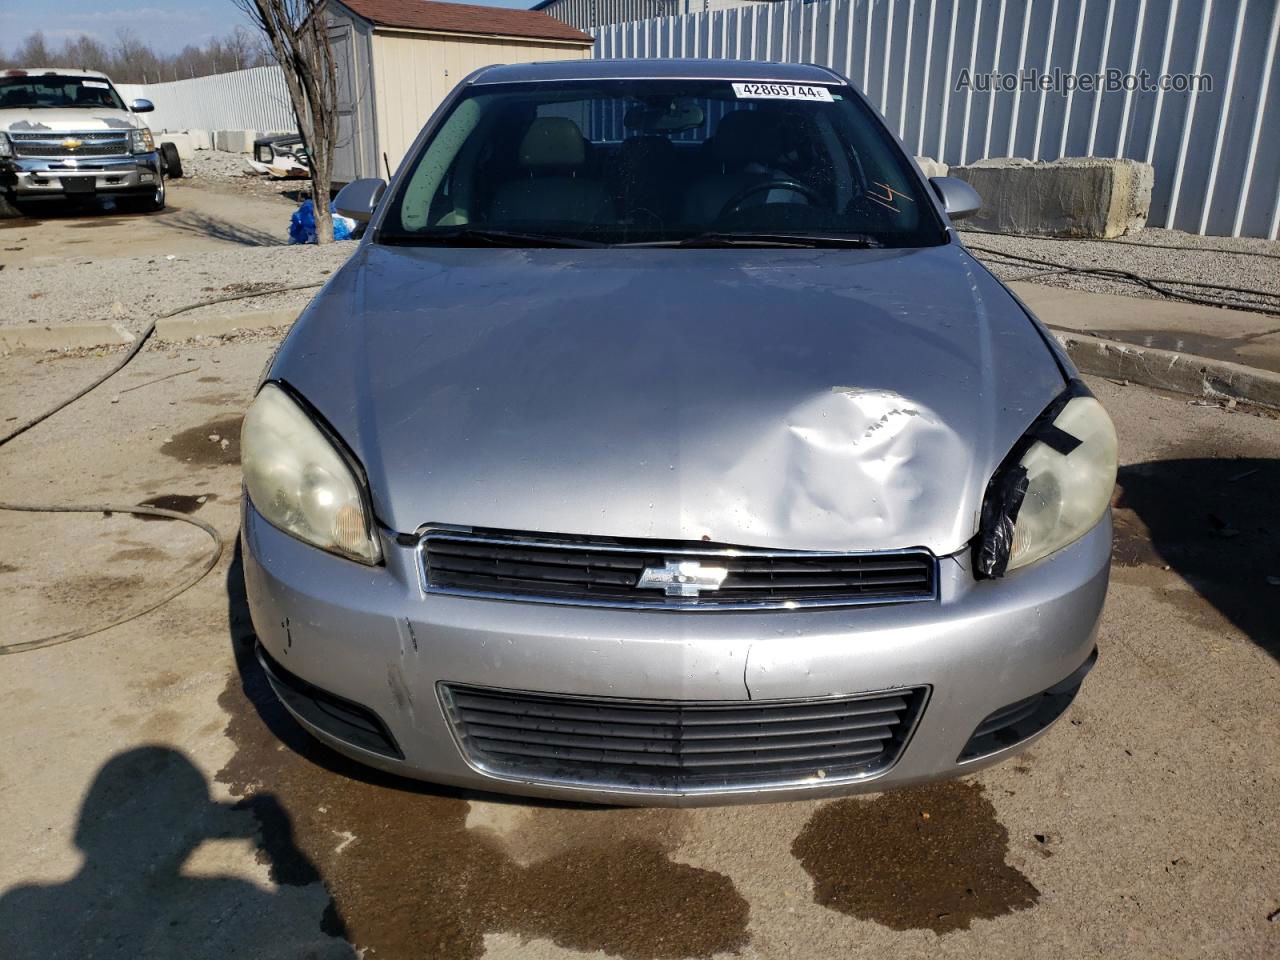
<point x="744" y="136"/>
<point x="552" y="142"/>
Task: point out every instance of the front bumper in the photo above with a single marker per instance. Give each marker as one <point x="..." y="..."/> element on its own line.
<point x="370" y="637"/>
<point x="33" y="177"/>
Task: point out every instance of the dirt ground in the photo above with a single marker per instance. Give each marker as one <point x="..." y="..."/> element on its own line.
<point x="159" y="803"/>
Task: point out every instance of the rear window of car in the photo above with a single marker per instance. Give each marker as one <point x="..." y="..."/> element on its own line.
<point x="652" y="160"/>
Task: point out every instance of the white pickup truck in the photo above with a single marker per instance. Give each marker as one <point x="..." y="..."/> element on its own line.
<point x="68" y="134"/>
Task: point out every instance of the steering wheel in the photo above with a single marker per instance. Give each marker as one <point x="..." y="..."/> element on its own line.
<point x="741" y="197"/>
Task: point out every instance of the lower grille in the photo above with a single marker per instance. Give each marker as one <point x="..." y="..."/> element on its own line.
<point x="340" y="718"/>
<point x="106" y="144"/>
<point x="676" y="746"/>
<point x="642" y="573"/>
<point x="1024" y="718"/>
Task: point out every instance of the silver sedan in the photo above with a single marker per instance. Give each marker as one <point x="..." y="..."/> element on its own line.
<point x="662" y="443"/>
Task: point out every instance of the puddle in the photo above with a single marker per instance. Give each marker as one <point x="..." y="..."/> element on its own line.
<point x="931" y="858"/>
<point x="408" y="877"/>
<point x="179" y="502"/>
<point x="194" y="446"/>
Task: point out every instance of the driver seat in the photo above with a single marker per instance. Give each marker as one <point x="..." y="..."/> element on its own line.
<point x="744" y="144"/>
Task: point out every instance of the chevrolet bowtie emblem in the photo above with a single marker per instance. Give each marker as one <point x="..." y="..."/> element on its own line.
<point x="72" y="143"/>
<point x="683" y="579"/>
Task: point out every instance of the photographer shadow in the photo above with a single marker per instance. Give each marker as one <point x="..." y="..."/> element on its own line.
<point x="1215" y="521"/>
<point x="145" y="814"/>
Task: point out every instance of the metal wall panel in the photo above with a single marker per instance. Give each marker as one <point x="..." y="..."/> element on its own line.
<point x="253" y="99"/>
<point x="1214" y="151"/>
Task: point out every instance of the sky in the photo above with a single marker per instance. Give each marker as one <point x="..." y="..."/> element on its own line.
<point x="167" y="25"/>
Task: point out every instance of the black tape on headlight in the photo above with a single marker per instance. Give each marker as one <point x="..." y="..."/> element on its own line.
<point x="1064" y="468"/>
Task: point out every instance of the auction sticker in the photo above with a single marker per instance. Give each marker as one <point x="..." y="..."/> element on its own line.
<point x="96" y="84"/>
<point x="780" y="91"/>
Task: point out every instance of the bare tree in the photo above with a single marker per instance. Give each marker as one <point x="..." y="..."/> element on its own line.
<point x="298" y="32"/>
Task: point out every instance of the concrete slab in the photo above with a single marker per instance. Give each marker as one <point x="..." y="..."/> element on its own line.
<point x="68" y="336"/>
<point x="1071" y="197"/>
<point x="184" y="143"/>
<point x="234" y="141"/>
<point x="200" y="139"/>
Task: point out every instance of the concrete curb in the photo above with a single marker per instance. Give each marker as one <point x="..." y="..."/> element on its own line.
<point x="68" y="336"/>
<point x="186" y="327"/>
<point x="80" y="336"/>
<point x="1168" y="370"/>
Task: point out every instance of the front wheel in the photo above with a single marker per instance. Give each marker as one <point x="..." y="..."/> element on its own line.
<point x="153" y="202"/>
<point x="8" y="210"/>
<point x="170" y="161"/>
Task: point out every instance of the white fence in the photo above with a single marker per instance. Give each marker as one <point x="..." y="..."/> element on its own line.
<point x="253" y="99"/>
<point x="1214" y="151"/>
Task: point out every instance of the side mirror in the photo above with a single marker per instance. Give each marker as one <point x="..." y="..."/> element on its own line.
<point x="359" y="198"/>
<point x="142" y="106"/>
<point x="958" y="198"/>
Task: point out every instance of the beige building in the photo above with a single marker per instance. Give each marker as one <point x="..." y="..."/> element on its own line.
<point x="398" y="59"/>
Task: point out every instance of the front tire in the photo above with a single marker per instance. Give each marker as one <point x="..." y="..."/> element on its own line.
<point x="153" y="202"/>
<point x="170" y="161"/>
<point x="8" y="210"/>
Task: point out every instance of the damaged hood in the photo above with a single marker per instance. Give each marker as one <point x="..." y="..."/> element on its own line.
<point x="66" y="120"/>
<point x="801" y="399"/>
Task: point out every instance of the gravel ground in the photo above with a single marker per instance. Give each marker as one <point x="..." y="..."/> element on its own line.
<point x="1179" y="259"/>
<point x="132" y="291"/>
<point x="218" y="166"/>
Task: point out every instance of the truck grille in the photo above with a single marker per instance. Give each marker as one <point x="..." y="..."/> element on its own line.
<point x="676" y="746"/>
<point x="563" y="570"/>
<point x="111" y="143"/>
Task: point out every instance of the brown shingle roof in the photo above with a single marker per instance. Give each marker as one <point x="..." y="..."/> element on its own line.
<point x="463" y="18"/>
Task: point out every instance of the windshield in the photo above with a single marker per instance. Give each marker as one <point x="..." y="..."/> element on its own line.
<point x="661" y="161"/>
<point x="54" y="90"/>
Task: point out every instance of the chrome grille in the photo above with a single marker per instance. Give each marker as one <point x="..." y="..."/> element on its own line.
<point x="111" y="143"/>
<point x="677" y="746"/>
<point x="596" y="573"/>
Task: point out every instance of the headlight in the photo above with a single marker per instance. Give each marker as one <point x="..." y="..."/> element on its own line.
<point x="1052" y="489"/>
<point x="141" y="140"/>
<point x="6" y="148"/>
<point x="300" y="483"/>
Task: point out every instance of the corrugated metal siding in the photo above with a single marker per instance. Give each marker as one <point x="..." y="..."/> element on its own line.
<point x="414" y="72"/>
<point x="585" y="14"/>
<point x="1214" y="152"/>
<point x="254" y="99"/>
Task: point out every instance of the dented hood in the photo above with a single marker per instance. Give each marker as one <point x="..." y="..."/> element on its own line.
<point x="807" y="399"/>
<point x="66" y="120"/>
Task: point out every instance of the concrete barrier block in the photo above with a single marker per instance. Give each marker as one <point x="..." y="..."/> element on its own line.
<point x="186" y="149"/>
<point x="200" y="139"/>
<point x="235" y="141"/>
<point x="931" y="167"/>
<point x="1072" y="197"/>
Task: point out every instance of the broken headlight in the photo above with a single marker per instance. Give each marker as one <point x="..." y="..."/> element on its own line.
<point x="141" y="141"/>
<point x="1052" y="489"/>
<point x="300" y="482"/>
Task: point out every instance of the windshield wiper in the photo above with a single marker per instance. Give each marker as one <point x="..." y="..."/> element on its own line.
<point x="485" y="237"/>
<point x="860" y="241"/>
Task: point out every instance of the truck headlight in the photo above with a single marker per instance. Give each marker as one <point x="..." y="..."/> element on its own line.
<point x="1052" y="489"/>
<point x="6" y="148"/>
<point x="300" y="482"/>
<point x="141" y="141"/>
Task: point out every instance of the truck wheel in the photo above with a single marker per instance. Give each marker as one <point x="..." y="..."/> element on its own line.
<point x="7" y="208"/>
<point x="170" y="161"/>
<point x="152" y="202"/>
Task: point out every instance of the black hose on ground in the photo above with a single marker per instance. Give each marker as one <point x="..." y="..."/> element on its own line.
<point x="25" y="646"/>
<point x="1156" y="285"/>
